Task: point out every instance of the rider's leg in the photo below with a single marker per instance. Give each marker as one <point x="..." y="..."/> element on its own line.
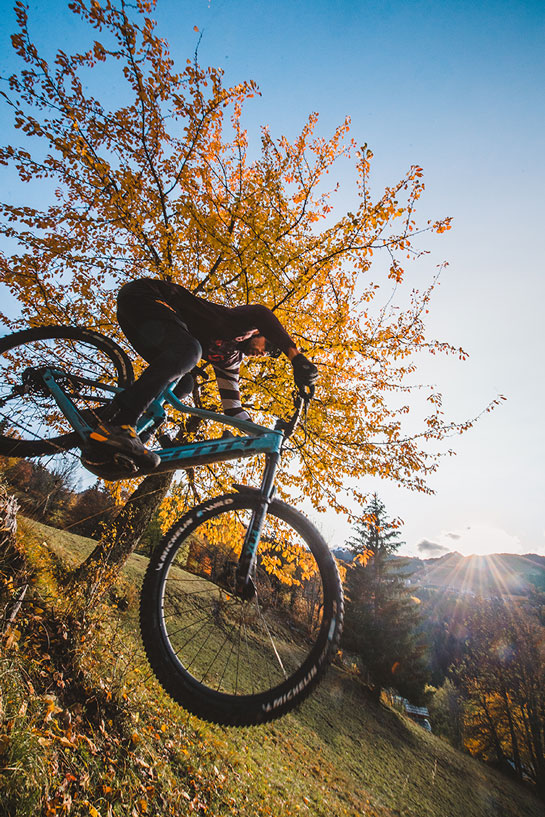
<point x="161" y="338"/>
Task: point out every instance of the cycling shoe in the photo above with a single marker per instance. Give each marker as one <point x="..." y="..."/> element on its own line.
<point x="108" y="441"/>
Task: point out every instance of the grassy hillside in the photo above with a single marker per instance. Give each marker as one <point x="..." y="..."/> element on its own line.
<point x="85" y="730"/>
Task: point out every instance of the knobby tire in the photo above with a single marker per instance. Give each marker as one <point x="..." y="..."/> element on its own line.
<point x="232" y="662"/>
<point x="29" y="422"/>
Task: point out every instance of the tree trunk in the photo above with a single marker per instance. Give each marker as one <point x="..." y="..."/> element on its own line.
<point x="122" y="535"/>
<point x="500" y="754"/>
<point x="512" y="732"/>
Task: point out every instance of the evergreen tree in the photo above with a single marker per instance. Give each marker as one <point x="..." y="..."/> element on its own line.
<point x="447" y="709"/>
<point x="151" y="536"/>
<point x="382" y="624"/>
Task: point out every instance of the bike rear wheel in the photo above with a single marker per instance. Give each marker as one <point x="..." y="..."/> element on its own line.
<point x="31" y="423"/>
<point x="233" y="661"/>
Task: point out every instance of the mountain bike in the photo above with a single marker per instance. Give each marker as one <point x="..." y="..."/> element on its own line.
<point x="241" y="605"/>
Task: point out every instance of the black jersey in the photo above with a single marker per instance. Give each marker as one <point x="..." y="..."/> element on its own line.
<point x="210" y="322"/>
<point x="219" y="329"/>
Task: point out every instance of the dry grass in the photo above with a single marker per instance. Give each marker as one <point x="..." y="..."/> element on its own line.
<point x="85" y="730"/>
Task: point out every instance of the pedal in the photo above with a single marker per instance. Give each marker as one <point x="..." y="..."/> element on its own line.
<point x="111" y="469"/>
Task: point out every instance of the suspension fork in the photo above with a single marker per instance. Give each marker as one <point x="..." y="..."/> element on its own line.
<point x="244" y="584"/>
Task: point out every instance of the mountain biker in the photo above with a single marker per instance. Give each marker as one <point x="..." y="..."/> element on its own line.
<point x="172" y="329"/>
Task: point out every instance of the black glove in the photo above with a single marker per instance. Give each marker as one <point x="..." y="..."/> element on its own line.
<point x="305" y="375"/>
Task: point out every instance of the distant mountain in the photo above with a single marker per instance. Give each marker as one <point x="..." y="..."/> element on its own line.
<point x="497" y="574"/>
<point x="343" y="555"/>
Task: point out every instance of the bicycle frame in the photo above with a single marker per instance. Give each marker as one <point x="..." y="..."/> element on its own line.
<point x="258" y="440"/>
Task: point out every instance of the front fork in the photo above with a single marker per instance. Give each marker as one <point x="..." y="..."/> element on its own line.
<point x="244" y="585"/>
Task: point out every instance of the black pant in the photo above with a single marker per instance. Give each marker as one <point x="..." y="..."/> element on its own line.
<point x="162" y="339"/>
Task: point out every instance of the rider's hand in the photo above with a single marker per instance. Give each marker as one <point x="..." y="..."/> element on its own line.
<point x="305" y="375"/>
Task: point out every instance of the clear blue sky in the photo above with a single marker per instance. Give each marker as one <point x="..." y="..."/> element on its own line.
<point x="458" y="88"/>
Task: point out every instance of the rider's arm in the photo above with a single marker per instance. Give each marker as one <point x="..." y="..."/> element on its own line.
<point x="305" y="372"/>
<point x="227" y="380"/>
<point x="267" y="325"/>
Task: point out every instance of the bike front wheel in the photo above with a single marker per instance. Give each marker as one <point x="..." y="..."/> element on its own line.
<point x="233" y="661"/>
<point x="31" y="423"/>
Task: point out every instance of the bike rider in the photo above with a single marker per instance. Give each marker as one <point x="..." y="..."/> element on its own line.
<point x="172" y="329"/>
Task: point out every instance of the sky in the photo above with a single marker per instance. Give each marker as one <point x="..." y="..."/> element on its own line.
<point x="456" y="87"/>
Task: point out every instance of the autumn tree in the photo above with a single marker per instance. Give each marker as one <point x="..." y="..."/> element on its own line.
<point x="382" y="624"/>
<point x="502" y="677"/>
<point x="45" y="494"/>
<point x="157" y="178"/>
<point x="91" y="511"/>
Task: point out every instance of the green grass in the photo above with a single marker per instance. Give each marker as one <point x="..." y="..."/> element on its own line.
<point x="123" y="748"/>
<point x="219" y="638"/>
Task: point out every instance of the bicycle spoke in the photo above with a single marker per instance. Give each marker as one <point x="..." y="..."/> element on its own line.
<point x="85" y="366"/>
<point x="201" y="647"/>
<point x="248" y="658"/>
<point x="173" y="634"/>
<point x="29" y="432"/>
<point x="216" y="655"/>
<point x="235" y="646"/>
<point x="270" y="638"/>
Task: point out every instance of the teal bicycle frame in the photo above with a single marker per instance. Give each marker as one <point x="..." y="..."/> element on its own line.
<point x="258" y="440"/>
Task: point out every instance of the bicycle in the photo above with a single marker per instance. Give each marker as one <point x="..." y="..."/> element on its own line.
<point x="241" y="605"/>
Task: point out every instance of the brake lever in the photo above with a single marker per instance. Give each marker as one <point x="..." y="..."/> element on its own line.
<point x="288" y="426"/>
